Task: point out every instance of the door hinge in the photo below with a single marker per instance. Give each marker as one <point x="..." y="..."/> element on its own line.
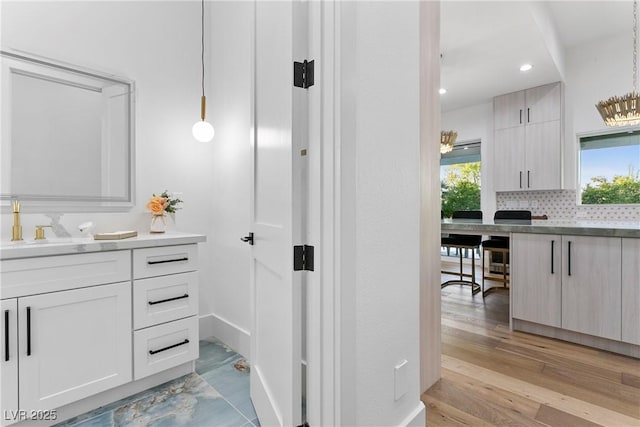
<point x="303" y="258"/>
<point x="303" y="74"/>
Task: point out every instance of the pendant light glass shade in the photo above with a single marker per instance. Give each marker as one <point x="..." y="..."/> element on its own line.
<point x="447" y="140"/>
<point x="624" y="110"/>
<point x="202" y="130"/>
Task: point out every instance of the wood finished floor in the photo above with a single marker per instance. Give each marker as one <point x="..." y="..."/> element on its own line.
<point x="493" y="376"/>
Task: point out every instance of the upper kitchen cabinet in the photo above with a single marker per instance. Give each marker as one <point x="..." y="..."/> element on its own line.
<point x="528" y="139"/>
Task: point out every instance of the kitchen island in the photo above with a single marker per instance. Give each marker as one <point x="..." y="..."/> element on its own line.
<point x="576" y="281"/>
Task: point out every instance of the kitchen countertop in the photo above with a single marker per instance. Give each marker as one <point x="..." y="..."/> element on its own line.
<point x="76" y="245"/>
<point x="576" y="228"/>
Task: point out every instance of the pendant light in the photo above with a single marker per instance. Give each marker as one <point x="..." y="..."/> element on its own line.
<point x="202" y="130"/>
<point x="447" y="140"/>
<point x="623" y="111"/>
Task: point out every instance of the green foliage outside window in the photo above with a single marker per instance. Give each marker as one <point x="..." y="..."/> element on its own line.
<point x="461" y="188"/>
<point x="620" y="190"/>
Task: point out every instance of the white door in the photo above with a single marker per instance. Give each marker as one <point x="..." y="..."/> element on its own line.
<point x="280" y="121"/>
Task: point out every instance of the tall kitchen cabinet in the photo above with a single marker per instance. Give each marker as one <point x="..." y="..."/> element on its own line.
<point x="528" y="139"/>
<point x="569" y="282"/>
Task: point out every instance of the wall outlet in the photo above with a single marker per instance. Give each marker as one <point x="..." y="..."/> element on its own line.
<point x="400" y="379"/>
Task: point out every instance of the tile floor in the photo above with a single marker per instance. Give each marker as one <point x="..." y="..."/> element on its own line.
<point x="217" y="394"/>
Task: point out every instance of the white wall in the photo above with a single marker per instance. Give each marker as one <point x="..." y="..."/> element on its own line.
<point x="472" y="123"/>
<point x="379" y="210"/>
<point x="157" y="44"/>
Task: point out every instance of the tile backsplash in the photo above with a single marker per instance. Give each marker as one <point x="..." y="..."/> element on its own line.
<point x="561" y="205"/>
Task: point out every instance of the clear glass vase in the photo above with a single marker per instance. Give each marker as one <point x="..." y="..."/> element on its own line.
<point x="158" y="224"/>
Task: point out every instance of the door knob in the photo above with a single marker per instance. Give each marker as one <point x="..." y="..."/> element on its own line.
<point x="248" y="239"/>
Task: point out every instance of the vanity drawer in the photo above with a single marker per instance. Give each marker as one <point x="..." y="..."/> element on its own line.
<point x="164" y="346"/>
<point x="28" y="276"/>
<point x="163" y="299"/>
<point x="151" y="262"/>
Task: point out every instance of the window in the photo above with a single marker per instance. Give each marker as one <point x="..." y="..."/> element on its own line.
<point x="610" y="169"/>
<point x="460" y="178"/>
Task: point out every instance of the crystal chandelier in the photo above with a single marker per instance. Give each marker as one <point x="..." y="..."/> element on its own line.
<point x="623" y="110"/>
<point x="447" y="140"/>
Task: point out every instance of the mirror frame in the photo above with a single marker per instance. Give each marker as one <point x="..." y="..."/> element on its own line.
<point x="62" y="203"/>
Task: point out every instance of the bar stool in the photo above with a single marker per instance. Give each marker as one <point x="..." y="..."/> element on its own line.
<point x="500" y="245"/>
<point x="460" y="242"/>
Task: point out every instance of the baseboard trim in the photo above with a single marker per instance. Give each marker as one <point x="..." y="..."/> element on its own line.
<point x="232" y="335"/>
<point x="417" y="418"/>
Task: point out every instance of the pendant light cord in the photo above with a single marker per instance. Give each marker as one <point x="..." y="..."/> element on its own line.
<point x="635" y="44"/>
<point x="202" y="43"/>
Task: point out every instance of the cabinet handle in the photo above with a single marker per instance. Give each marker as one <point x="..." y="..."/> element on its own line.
<point x="528" y="115"/>
<point x="521" y="116"/>
<point x="28" y="331"/>
<point x="552" y="242"/>
<point x="6" y="335"/>
<point x="569" y="257"/>
<point x="168" y="260"/>
<point x="520" y="179"/>
<point x="528" y="179"/>
<point x="168" y="299"/>
<point x="186" y="341"/>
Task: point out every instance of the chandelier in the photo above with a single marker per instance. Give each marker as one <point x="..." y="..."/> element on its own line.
<point x="447" y="140"/>
<point x="623" y="110"/>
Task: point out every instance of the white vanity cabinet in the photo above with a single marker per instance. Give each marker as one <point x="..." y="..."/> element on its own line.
<point x="528" y="139"/>
<point x="9" y="357"/>
<point x="165" y="299"/>
<point x="71" y="342"/>
<point x="86" y="324"/>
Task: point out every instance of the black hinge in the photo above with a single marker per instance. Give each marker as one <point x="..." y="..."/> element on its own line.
<point x="303" y="74"/>
<point x="303" y="258"/>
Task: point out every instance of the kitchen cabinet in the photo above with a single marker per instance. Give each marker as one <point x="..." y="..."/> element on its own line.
<point x="537" y="274"/>
<point x="9" y="358"/>
<point x="568" y="282"/>
<point x="631" y="291"/>
<point x="528" y="139"/>
<point x="592" y="285"/>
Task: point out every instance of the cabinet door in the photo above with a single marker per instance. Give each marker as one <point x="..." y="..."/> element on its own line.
<point x="508" y="158"/>
<point x="542" y="156"/>
<point x="508" y="110"/>
<point x="537" y="278"/>
<point x="543" y="103"/>
<point x="74" y="344"/>
<point x="591" y="285"/>
<point x="631" y="291"/>
<point x="9" y="359"/>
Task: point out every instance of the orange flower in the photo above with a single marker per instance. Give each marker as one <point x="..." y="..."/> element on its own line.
<point x="157" y="205"/>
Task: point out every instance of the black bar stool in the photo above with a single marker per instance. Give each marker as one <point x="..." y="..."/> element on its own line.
<point x="460" y="242"/>
<point x="500" y="245"/>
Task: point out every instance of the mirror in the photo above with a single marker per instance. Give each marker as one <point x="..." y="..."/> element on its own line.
<point x="67" y="136"/>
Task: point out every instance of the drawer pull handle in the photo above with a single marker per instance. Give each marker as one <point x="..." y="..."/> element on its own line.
<point x="6" y="335"/>
<point x="164" y="261"/>
<point x="186" y="341"/>
<point x="168" y="299"/>
<point x="28" y="331"/>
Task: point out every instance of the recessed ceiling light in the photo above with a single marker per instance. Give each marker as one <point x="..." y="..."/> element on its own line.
<point x="442" y="91"/>
<point x="526" y="67"/>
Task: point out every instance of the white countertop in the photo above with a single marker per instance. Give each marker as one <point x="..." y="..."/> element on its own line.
<point x="76" y="245"/>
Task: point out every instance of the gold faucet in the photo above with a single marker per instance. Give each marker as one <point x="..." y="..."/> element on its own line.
<point x="17" y="228"/>
<point x="40" y="232"/>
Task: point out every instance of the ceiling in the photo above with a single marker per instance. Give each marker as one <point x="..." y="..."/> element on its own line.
<point x="483" y="43"/>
